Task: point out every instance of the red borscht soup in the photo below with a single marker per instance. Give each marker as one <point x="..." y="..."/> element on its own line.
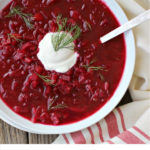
<point x="71" y="96"/>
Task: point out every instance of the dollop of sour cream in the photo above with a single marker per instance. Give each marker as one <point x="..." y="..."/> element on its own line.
<point x="61" y="60"/>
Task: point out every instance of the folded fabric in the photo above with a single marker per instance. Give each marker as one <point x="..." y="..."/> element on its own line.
<point x="128" y="124"/>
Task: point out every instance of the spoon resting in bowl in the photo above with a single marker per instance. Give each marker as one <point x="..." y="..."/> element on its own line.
<point x="132" y="23"/>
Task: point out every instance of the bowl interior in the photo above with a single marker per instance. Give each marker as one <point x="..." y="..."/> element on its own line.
<point x="16" y="120"/>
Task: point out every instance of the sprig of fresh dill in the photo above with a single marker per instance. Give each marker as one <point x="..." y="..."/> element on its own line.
<point x="88" y="25"/>
<point x="12" y="36"/>
<point x="102" y="68"/>
<point x="65" y="35"/>
<point x="94" y="68"/>
<point x="17" y="10"/>
<point x="102" y="77"/>
<point x="59" y="106"/>
<point x="52" y="102"/>
<point x="46" y="79"/>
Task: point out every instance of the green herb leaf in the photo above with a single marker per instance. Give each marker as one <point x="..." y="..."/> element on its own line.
<point x="17" y="10"/>
<point x="52" y="102"/>
<point x="12" y="36"/>
<point x="88" y="25"/>
<point x="59" y="106"/>
<point x="46" y="79"/>
<point x="94" y="68"/>
<point x="102" y="77"/>
<point x="98" y="68"/>
<point x="65" y="34"/>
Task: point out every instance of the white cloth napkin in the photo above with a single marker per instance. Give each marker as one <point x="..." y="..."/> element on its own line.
<point x="129" y="124"/>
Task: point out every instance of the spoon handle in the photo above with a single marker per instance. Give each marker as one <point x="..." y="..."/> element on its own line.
<point x="132" y="23"/>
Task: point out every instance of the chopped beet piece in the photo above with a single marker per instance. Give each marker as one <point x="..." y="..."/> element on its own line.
<point x="1" y="89"/>
<point x="33" y="77"/>
<point x="19" y="109"/>
<point x="74" y="14"/>
<point x="55" y="118"/>
<point x="66" y="78"/>
<point x="28" y="37"/>
<point x="23" y="98"/>
<point x="38" y="17"/>
<point x="27" y="45"/>
<point x="28" y="60"/>
<point x="38" y="69"/>
<point x="15" y="85"/>
<point x="81" y="78"/>
<point x="106" y="86"/>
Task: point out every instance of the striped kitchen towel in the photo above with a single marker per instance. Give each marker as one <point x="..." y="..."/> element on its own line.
<point x="129" y="124"/>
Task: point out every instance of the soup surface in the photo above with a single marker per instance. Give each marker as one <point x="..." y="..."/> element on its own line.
<point x="76" y="94"/>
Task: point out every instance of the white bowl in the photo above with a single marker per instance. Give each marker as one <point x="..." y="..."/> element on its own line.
<point x="15" y="120"/>
<point x="4" y="118"/>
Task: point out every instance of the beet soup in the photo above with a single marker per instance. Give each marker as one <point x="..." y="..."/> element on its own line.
<point x="50" y="97"/>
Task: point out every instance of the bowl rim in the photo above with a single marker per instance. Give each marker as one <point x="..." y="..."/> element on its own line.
<point x="6" y="119"/>
<point x="26" y="125"/>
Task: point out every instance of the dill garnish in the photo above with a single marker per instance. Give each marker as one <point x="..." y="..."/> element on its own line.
<point x="17" y="10"/>
<point x="16" y="38"/>
<point x="46" y="79"/>
<point x="94" y="68"/>
<point x="102" y="77"/>
<point x="102" y="68"/>
<point x="65" y="34"/>
<point x="88" y="25"/>
<point x="59" y="106"/>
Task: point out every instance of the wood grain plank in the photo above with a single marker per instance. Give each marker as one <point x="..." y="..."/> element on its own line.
<point x="41" y="139"/>
<point x="11" y="135"/>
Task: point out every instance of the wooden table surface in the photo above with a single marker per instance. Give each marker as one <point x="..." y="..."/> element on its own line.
<point x="11" y="135"/>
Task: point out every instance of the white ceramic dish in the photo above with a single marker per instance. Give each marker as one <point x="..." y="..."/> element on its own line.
<point x="4" y="118"/>
<point x="15" y="120"/>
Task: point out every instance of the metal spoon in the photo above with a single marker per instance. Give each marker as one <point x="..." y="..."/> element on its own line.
<point x="132" y="23"/>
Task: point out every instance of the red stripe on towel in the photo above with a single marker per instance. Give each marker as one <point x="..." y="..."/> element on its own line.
<point x="100" y="132"/>
<point x="112" y="125"/>
<point x="110" y="142"/>
<point x="122" y="119"/>
<point x="130" y="138"/>
<point x="78" y="137"/>
<point x="92" y="136"/>
<point x="141" y="132"/>
<point x="66" y="139"/>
